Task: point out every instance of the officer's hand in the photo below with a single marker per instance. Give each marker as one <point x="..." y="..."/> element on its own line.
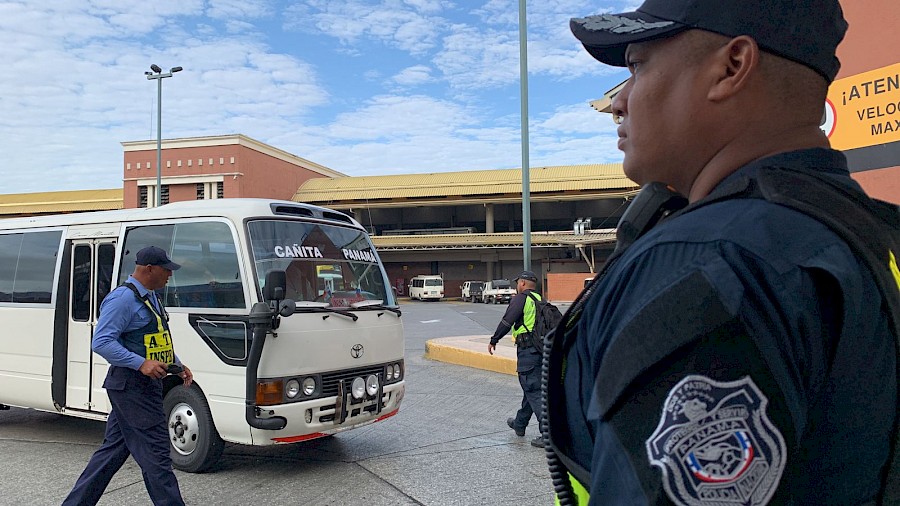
<point x="154" y="369"/>
<point x="186" y="375"/>
<point x="491" y="348"/>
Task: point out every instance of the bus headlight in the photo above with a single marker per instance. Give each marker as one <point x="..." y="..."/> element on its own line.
<point x="309" y="386"/>
<point x="395" y="369"/>
<point x="292" y="388"/>
<point x="372" y="385"/>
<point x="358" y="388"/>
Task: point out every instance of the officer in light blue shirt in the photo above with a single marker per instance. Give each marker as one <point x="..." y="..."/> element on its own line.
<point x="132" y="334"/>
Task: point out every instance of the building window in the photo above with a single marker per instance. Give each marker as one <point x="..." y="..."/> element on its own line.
<point x="168" y="163"/>
<point x="179" y="163"/>
<point x="220" y="190"/>
<point x="232" y="160"/>
<point x="127" y="166"/>
<point x="210" y="161"/>
<point x="164" y="194"/>
<point x="138" y="165"/>
<point x="190" y="162"/>
<point x="142" y="196"/>
<point x="201" y="191"/>
<point x="200" y="162"/>
<point x="221" y="161"/>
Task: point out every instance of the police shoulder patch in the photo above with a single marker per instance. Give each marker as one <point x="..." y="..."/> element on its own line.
<point x="716" y="445"/>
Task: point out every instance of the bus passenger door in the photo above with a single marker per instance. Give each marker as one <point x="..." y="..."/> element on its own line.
<point x="91" y="280"/>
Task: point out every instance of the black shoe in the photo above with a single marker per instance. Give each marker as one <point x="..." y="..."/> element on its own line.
<point x="538" y="442"/>
<point x="512" y="425"/>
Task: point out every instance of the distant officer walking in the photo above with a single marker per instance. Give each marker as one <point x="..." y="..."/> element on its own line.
<point x="520" y="316"/>
<point x="132" y="334"/>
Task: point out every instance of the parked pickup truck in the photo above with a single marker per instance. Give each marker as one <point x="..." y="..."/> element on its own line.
<point x="497" y="291"/>
<point x="471" y="290"/>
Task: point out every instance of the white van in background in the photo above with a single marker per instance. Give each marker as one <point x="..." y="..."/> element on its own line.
<point x="426" y="287"/>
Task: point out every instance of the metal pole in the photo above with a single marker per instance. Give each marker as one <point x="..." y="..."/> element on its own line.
<point x="526" y="188"/>
<point x="158" y="142"/>
<point x="157" y="73"/>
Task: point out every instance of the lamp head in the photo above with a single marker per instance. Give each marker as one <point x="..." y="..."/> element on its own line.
<point x="155" y="68"/>
<point x="176" y="69"/>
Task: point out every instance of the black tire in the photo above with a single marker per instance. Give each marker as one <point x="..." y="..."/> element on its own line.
<point x="195" y="442"/>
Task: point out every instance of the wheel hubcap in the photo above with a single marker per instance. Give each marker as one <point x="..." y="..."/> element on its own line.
<point x="184" y="429"/>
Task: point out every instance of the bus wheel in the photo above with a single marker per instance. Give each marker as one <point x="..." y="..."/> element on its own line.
<point x="196" y="445"/>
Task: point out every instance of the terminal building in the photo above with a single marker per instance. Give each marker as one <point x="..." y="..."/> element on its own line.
<point x="464" y="226"/>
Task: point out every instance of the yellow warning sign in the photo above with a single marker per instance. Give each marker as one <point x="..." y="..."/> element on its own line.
<point x="864" y="110"/>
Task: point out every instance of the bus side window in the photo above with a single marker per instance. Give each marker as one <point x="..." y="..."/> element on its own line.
<point x="81" y="283"/>
<point x="210" y="272"/>
<point x="106" y="256"/>
<point x="28" y="266"/>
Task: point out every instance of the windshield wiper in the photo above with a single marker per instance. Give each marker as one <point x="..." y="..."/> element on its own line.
<point x="375" y="304"/>
<point x="323" y="307"/>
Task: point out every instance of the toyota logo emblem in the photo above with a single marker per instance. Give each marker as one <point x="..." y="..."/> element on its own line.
<point x="356" y="351"/>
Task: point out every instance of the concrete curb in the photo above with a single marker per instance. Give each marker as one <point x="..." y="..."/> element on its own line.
<point x="448" y="350"/>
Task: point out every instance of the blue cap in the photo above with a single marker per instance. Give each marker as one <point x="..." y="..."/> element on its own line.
<point x="805" y="31"/>
<point x="151" y="255"/>
<point x="530" y="276"/>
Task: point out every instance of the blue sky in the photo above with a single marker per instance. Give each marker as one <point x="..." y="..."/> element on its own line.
<point x="364" y="87"/>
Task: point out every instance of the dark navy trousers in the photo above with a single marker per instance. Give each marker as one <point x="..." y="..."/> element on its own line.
<point x="528" y="366"/>
<point x="136" y="427"/>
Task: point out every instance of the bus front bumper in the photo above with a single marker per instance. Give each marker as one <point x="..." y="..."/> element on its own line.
<point x="329" y="415"/>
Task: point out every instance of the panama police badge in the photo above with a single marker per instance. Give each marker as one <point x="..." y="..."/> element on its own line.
<point x="715" y="444"/>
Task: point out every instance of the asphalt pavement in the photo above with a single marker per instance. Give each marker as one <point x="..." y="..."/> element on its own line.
<point x="449" y="444"/>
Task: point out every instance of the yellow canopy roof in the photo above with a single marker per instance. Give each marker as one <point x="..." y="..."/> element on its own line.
<point x="25" y="204"/>
<point x="564" y="182"/>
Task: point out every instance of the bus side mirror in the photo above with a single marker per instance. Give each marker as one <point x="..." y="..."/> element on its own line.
<point x="287" y="307"/>
<point x="275" y="285"/>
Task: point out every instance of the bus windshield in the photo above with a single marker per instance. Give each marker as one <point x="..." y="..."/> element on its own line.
<point x="322" y="263"/>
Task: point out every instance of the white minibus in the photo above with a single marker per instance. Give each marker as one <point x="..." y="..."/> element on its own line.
<point x="283" y="312"/>
<point x="426" y="287"/>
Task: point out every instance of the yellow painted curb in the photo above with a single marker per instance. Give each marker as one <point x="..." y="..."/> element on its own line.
<point x="458" y="356"/>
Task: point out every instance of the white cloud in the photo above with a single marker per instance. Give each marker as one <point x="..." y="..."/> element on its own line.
<point x="474" y="59"/>
<point x="243" y="9"/>
<point x="396" y="116"/>
<point x="74" y="92"/>
<point x="335" y="91"/>
<point x="408" y="134"/>
<point x="390" y="22"/>
<point x="413" y="76"/>
<point x="578" y="119"/>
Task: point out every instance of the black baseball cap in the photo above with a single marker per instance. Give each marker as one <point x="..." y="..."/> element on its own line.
<point x="805" y="31"/>
<point x="151" y="255"/>
<point x="526" y="275"/>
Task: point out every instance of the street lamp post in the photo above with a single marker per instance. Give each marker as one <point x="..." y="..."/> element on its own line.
<point x="159" y="76"/>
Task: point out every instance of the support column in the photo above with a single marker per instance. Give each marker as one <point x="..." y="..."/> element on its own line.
<point x="489" y="218"/>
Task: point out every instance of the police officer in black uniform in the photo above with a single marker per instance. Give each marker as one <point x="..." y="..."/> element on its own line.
<point x="132" y="334"/>
<point x="520" y="317"/>
<point x="740" y="351"/>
